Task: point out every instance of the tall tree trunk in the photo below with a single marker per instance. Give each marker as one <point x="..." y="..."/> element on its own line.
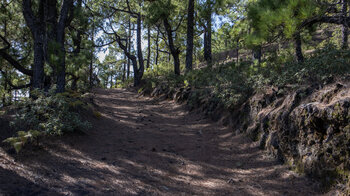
<point x="67" y="6"/>
<point x="36" y="25"/>
<point x="345" y="28"/>
<point x="111" y="82"/>
<point x="190" y="24"/>
<point x="157" y="47"/>
<point x="74" y="83"/>
<point x="6" y="73"/>
<point x="5" y="90"/>
<point x="61" y="71"/>
<point x="46" y="31"/>
<point x="175" y="52"/>
<point x="149" y="46"/>
<point x="91" y="67"/>
<point x="137" y="82"/>
<point x="257" y="53"/>
<point x="51" y="34"/>
<point x="133" y="59"/>
<point x="237" y="52"/>
<point x="298" y="49"/>
<point x="207" y="41"/>
<point x="138" y="73"/>
<point x="38" y="66"/>
<point x="209" y="51"/>
<point x="129" y="49"/>
<point x="124" y="68"/>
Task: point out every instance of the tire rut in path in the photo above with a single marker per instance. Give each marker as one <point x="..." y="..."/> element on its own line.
<point x="145" y="147"/>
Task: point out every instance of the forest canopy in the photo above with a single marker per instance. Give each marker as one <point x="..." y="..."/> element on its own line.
<point x="77" y="45"/>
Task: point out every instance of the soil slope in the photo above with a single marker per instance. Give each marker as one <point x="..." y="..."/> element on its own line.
<point x="141" y="146"/>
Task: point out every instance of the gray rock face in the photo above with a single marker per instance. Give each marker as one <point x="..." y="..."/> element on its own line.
<point x="308" y="129"/>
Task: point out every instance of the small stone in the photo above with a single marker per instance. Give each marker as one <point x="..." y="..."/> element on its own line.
<point x="165" y="188"/>
<point x="231" y="181"/>
<point x="239" y="164"/>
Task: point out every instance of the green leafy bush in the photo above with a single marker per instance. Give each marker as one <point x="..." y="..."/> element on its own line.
<point x="233" y="84"/>
<point x="52" y="114"/>
<point x="319" y="67"/>
<point x="22" y="138"/>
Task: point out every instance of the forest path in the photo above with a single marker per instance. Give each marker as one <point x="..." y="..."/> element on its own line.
<point x="141" y="146"/>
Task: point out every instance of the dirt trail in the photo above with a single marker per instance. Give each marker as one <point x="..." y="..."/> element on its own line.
<point x="144" y="147"/>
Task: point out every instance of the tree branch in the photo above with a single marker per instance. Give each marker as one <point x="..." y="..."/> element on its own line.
<point x="14" y="87"/>
<point x="134" y="15"/>
<point x="28" y="14"/>
<point x="11" y="60"/>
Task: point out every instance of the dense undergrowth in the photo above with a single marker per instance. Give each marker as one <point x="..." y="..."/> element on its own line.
<point x="231" y="84"/>
<point x="47" y="114"/>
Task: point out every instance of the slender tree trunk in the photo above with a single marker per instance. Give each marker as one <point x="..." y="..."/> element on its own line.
<point x="133" y="59"/>
<point x="298" y="49"/>
<point x="111" y="81"/>
<point x="67" y="6"/>
<point x="74" y="83"/>
<point x="134" y="65"/>
<point x="237" y="60"/>
<point x="195" y="56"/>
<point x="345" y="28"/>
<point x="5" y="90"/>
<point x="207" y="41"/>
<point x="209" y="51"/>
<point x="124" y="68"/>
<point x="257" y="53"/>
<point x="91" y="67"/>
<point x="175" y="52"/>
<point x="61" y="72"/>
<point x="129" y="49"/>
<point x="38" y="66"/>
<point x="5" y="83"/>
<point x="157" y="47"/>
<point x="190" y="24"/>
<point x="51" y="34"/>
<point x="149" y="46"/>
<point x="61" y="68"/>
<point x="139" y="72"/>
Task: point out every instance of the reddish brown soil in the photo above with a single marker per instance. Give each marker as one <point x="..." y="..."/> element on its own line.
<point x="141" y="146"/>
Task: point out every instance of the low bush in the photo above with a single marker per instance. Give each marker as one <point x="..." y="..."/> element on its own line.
<point x="233" y="84"/>
<point x="47" y="114"/>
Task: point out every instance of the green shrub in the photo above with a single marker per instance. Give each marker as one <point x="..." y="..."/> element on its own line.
<point x="52" y="114"/>
<point x="22" y="138"/>
<point x="233" y="84"/>
<point x="322" y="65"/>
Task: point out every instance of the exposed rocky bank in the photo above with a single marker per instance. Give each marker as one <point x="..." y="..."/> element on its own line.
<point x="307" y="128"/>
